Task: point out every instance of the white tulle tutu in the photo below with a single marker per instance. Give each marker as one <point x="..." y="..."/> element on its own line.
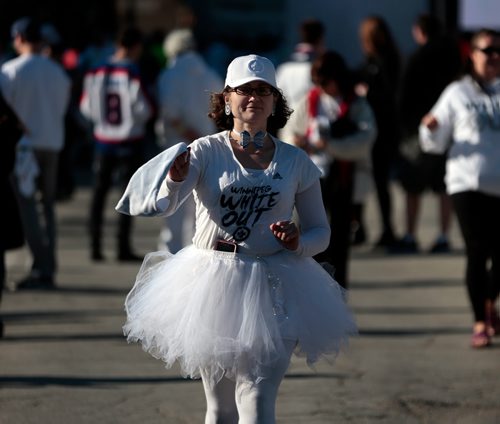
<point x="214" y="310"/>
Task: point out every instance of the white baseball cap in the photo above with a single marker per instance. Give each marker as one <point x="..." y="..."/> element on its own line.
<point x="244" y="69"/>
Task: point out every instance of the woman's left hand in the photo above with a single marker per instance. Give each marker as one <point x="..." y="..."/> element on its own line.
<point x="430" y="122"/>
<point x="287" y="234"/>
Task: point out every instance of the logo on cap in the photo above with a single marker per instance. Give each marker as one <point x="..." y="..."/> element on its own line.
<point x="255" y="66"/>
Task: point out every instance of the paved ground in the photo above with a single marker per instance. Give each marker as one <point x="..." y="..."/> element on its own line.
<point x="64" y="359"/>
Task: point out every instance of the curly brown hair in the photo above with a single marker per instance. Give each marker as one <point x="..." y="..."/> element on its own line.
<point x="225" y="122"/>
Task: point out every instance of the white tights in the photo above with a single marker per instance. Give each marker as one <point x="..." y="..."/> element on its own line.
<point x="244" y="401"/>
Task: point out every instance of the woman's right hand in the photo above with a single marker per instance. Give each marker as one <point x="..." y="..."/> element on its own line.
<point x="287" y="233"/>
<point x="180" y="168"/>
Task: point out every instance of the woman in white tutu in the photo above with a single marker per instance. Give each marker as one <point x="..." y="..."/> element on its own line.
<point x="235" y="305"/>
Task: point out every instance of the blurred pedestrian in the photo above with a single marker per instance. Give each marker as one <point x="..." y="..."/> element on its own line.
<point x="434" y="64"/>
<point x="294" y="75"/>
<point x="11" y="130"/>
<point x="54" y="48"/>
<point x="115" y="101"/>
<point x="235" y="305"/>
<point x="184" y="89"/>
<point x="465" y="121"/>
<point x="337" y="128"/>
<point x="378" y="79"/>
<point x="38" y="90"/>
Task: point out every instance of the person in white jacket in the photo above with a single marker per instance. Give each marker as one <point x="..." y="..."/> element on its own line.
<point x="466" y="120"/>
<point x="294" y="75"/>
<point x="184" y="89"/>
<point x="38" y="90"/>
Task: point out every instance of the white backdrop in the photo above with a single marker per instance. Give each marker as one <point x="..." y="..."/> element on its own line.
<point x="475" y="14"/>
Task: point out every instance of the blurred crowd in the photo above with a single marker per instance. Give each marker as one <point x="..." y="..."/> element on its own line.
<point x="94" y="116"/>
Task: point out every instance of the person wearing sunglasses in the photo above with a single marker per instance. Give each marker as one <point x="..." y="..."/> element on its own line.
<point x="466" y="119"/>
<point x="232" y="307"/>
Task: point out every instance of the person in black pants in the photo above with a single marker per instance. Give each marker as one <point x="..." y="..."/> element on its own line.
<point x="115" y="101"/>
<point x="468" y="114"/>
<point x="378" y="79"/>
<point x="477" y="215"/>
<point x="124" y="161"/>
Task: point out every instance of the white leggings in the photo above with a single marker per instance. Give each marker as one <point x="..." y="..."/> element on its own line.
<point x="244" y="401"/>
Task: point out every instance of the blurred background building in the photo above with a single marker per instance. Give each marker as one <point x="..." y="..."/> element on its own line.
<point x="234" y="26"/>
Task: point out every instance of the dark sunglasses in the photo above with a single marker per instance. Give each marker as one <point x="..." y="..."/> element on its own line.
<point x="261" y="91"/>
<point x="490" y="50"/>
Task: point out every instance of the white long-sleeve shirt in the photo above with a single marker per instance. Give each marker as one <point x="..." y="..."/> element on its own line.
<point x="235" y="203"/>
<point x="232" y="202"/>
<point x="469" y="126"/>
<point x="38" y="89"/>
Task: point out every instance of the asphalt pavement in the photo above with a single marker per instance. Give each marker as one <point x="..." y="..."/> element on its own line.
<point x="63" y="358"/>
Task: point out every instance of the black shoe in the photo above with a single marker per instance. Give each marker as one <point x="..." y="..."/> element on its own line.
<point x="97" y="256"/>
<point x="440" y="246"/>
<point x="358" y="235"/>
<point x="403" y="246"/>
<point x="35" y="283"/>
<point x="387" y="239"/>
<point x="129" y="257"/>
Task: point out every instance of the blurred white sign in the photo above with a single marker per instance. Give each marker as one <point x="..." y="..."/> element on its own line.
<point x="477" y="14"/>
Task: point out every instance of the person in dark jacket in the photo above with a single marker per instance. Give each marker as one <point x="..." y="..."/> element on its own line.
<point x="12" y="229"/>
<point x="434" y="64"/>
<point x="378" y="79"/>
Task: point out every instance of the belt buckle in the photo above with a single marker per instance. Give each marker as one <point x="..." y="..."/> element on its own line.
<point x="226" y="246"/>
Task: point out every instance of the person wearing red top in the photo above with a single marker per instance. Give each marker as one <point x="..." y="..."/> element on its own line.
<point x="337" y="128"/>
